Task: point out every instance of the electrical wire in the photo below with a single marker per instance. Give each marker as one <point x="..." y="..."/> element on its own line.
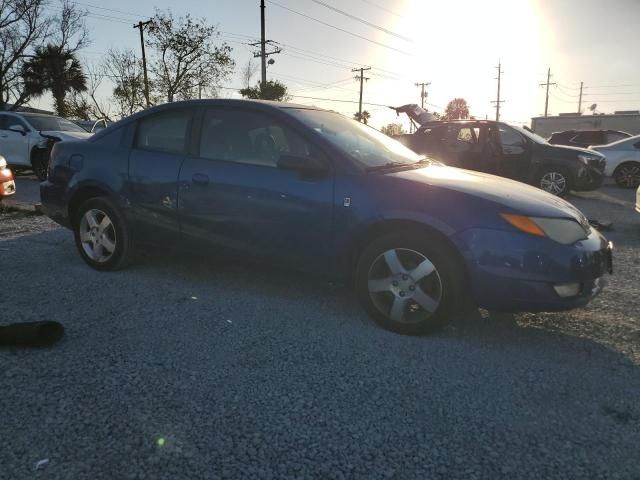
<point x="341" y="29"/>
<point x="363" y="21"/>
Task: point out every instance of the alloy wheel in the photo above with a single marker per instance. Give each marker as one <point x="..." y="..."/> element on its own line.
<point x="629" y="176"/>
<point x="97" y="235"/>
<point x="404" y="285"/>
<point x="553" y="182"/>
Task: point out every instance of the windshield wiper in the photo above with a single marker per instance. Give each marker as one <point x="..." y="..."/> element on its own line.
<point x="388" y="165"/>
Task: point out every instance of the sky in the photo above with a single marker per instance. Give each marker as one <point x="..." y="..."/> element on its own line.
<point x="455" y="45"/>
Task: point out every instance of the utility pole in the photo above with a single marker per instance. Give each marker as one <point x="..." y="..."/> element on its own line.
<point x="263" y="49"/>
<point x="580" y="99"/>
<point x="362" y="79"/>
<point x="141" y="26"/>
<point x="263" y="54"/>
<point x="546" y="100"/>
<point x="497" y="101"/>
<point x="423" y="94"/>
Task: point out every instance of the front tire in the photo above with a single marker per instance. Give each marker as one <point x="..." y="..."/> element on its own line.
<point x="410" y="282"/>
<point x="102" y="235"/>
<point x="627" y="175"/>
<point x="40" y="163"/>
<point x="554" y="180"/>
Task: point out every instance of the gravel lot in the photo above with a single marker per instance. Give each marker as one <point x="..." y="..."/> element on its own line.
<point x="183" y="368"/>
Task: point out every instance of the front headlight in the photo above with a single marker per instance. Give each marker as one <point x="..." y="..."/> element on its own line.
<point x="561" y="230"/>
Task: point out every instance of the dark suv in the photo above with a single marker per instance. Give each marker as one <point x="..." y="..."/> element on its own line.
<point x="508" y="151"/>
<point x="586" y="138"/>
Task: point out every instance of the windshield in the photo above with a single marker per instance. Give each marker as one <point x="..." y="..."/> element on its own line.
<point x="367" y="146"/>
<point x="530" y="135"/>
<point x="48" y="123"/>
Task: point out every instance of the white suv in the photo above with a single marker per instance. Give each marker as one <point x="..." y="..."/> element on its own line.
<point x="26" y="138"/>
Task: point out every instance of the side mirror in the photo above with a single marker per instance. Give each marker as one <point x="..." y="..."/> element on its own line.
<point x="18" y="129"/>
<point x="304" y="165"/>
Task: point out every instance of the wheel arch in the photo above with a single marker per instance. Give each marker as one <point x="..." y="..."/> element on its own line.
<point x="625" y="163"/>
<point x="377" y="229"/>
<point x="81" y="195"/>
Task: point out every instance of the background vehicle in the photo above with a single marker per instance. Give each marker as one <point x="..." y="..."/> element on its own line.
<point x="7" y="184"/>
<point x="93" y="126"/>
<point x="638" y="200"/>
<point x="623" y="161"/>
<point x="327" y="195"/>
<point x="26" y="138"/>
<point x="508" y="151"/>
<point x="586" y="138"/>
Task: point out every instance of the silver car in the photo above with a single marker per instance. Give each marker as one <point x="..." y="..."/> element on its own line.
<point x="26" y="138"/>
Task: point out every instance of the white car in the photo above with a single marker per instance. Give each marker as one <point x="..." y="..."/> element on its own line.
<point x="638" y="200"/>
<point x="26" y="138"/>
<point x="623" y="161"/>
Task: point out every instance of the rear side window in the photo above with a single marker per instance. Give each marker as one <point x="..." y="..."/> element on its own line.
<point x="615" y="136"/>
<point x="164" y="132"/>
<point x="462" y="139"/>
<point x="590" y="138"/>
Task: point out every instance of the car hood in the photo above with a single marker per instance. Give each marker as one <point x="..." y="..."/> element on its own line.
<point x="514" y="197"/>
<point x="66" y="135"/>
<point x="566" y="151"/>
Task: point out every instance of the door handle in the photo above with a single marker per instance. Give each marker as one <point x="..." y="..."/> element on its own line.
<point x="200" y="179"/>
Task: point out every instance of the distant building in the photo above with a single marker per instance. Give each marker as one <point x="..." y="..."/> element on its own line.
<point x="626" y="121"/>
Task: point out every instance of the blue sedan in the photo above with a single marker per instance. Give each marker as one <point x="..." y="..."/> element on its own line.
<point x="327" y="195"/>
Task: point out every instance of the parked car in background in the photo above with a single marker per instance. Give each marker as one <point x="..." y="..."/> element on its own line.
<point x="508" y="151"/>
<point x="586" y="138"/>
<point x="7" y="184"/>
<point x="93" y="126"/>
<point x="26" y="139"/>
<point x="329" y="196"/>
<point x="623" y="161"/>
<point x="638" y="200"/>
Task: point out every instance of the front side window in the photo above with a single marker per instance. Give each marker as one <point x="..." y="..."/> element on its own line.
<point x="248" y="137"/>
<point x="368" y="147"/>
<point x="512" y="142"/>
<point x="7" y="121"/>
<point x="164" y="132"/>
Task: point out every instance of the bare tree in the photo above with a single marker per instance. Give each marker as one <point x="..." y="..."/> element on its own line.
<point x="248" y="72"/>
<point x="22" y="27"/>
<point x="125" y="71"/>
<point x="69" y="30"/>
<point x="85" y="105"/>
<point x="187" y="59"/>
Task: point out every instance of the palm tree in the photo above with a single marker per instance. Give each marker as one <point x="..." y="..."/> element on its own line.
<point x="362" y="117"/>
<point x="56" y="70"/>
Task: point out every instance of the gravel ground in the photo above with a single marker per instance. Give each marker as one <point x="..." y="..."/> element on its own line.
<point x="183" y="368"/>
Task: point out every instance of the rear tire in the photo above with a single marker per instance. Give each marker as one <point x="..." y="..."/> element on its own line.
<point x="102" y="235"/>
<point x="555" y="180"/>
<point x="627" y="175"/>
<point x="409" y="282"/>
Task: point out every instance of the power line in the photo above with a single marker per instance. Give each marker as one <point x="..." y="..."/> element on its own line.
<point x="362" y="79"/>
<point x="363" y="21"/>
<point x="342" y="29"/>
<point x="373" y="4"/>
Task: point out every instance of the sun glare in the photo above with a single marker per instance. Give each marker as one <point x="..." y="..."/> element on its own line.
<point x="457" y="45"/>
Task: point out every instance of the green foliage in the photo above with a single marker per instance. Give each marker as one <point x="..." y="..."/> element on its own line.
<point x="457" y="109"/>
<point x="54" y="70"/>
<point x="393" y="129"/>
<point x="272" y="90"/>
<point x="186" y="59"/>
<point x="364" y="117"/>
